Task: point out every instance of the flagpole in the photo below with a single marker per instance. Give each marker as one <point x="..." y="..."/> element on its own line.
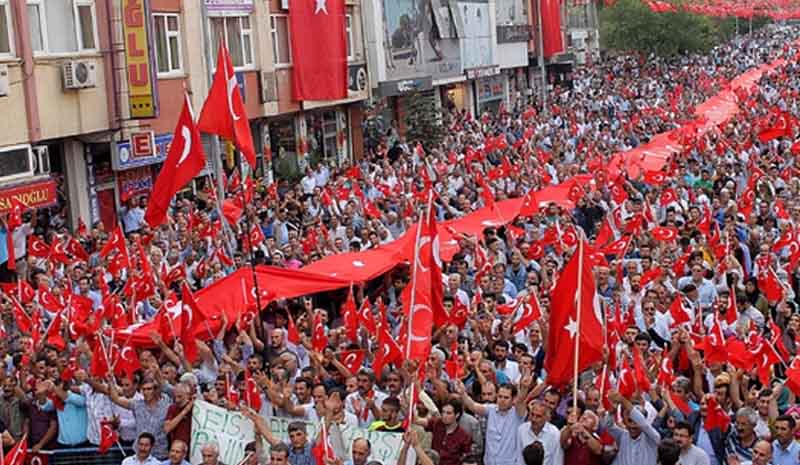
<point x="578" y="328"/>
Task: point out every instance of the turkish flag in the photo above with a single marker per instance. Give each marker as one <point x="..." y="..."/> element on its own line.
<point x="192" y="318"/>
<point x="423" y="297"/>
<point x="108" y="437"/>
<point x="256" y="236"/>
<point x="127" y="362"/>
<point x="565" y="310"/>
<point x="619" y="246"/>
<point x="37" y="247"/>
<point x="639" y="371"/>
<point x="627" y="380"/>
<point x="770" y="285"/>
<point x="793" y="376"/>
<point x="387" y="351"/>
<point x="75" y="249"/>
<point x="667" y="197"/>
<point x="350" y="316"/>
<point x="252" y="395"/>
<point x="291" y="331"/>
<point x="716" y="416"/>
<point x="714" y="345"/>
<point x="24" y="322"/>
<point x="665" y="370"/>
<point x="16" y="456"/>
<point x="664" y="233"/>
<point x="352" y="359"/>
<point x="678" y="312"/>
<point x="319" y="340"/>
<point x="530" y="312"/>
<point x="365" y="317"/>
<point x="223" y="112"/>
<point x="115" y="242"/>
<point x="184" y="160"/>
<point x="52" y="335"/>
<point x="319" y="49"/>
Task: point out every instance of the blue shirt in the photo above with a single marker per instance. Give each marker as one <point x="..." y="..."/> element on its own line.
<point x="72" y="421"/>
<point x="3" y="246"/>
<point x="788" y="456"/>
<point x="704" y="442"/>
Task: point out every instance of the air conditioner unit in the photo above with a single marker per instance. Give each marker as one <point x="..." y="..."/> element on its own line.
<point x="3" y="80"/>
<point x="41" y="160"/>
<point x="79" y="74"/>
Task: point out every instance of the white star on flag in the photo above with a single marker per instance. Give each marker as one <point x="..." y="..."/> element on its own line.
<point x="572" y="327"/>
<point x="322" y="5"/>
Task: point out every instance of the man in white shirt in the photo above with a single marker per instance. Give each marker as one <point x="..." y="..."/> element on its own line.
<point x="367" y="400"/>
<point x="144" y="444"/>
<point x="540" y="429"/>
<point x="509" y="367"/>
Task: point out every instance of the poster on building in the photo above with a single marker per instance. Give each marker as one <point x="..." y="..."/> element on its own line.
<point x="232" y="431"/>
<point x="511" y="12"/>
<point x="420" y="39"/>
<point x="142" y="98"/>
<point x="476" y="42"/>
<point x="133" y="183"/>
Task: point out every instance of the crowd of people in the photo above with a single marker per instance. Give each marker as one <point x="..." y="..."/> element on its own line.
<point x="701" y="325"/>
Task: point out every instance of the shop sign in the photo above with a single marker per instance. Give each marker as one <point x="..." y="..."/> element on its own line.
<point x="141" y="89"/>
<point x="513" y="33"/>
<point x="229" y="7"/>
<point x="405" y="86"/>
<point x="492" y="88"/>
<point x="35" y="195"/>
<point x="132" y="183"/>
<point x="482" y="72"/>
<point x="125" y="157"/>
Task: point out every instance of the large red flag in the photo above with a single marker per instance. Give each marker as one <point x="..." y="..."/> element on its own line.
<point x="223" y="112"/>
<point x="184" y="160"/>
<point x="716" y="416"/>
<point x="565" y="311"/>
<point x="319" y="49"/>
<point x="423" y="305"/>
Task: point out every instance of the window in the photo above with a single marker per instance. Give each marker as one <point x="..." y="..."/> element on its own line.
<point x="16" y="162"/>
<point x="349" y="26"/>
<point x="5" y="28"/>
<point x="62" y="26"/>
<point x="281" y="50"/>
<point x="168" y="43"/>
<point x="238" y="37"/>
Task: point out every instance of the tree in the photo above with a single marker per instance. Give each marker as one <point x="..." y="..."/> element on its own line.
<point x="631" y="25"/>
<point x="423" y="119"/>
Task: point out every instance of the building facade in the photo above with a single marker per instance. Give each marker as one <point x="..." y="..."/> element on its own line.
<point x="97" y="86"/>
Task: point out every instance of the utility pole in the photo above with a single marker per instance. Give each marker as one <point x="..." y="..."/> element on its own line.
<point x="542" y="69"/>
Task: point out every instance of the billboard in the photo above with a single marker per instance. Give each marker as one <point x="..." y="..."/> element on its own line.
<point x="476" y="33"/>
<point x="511" y="12"/>
<point x="420" y="39"/>
<point x="142" y="98"/>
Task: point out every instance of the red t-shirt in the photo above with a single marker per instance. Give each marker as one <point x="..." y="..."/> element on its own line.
<point x="184" y="429"/>
<point x="453" y="447"/>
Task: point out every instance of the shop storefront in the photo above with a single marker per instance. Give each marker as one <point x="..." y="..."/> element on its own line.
<point x="37" y="194"/>
<point x="490" y="93"/>
<point x="455" y="96"/>
<point x="519" y="88"/>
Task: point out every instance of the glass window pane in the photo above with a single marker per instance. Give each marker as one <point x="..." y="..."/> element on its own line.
<point x="5" y="43"/>
<point x="15" y="162"/>
<point x="162" y="56"/>
<point x="245" y="22"/>
<point x="172" y="23"/>
<point x="87" y="27"/>
<point x="217" y="31"/>
<point x="234" y="41"/>
<point x="61" y="34"/>
<point x="174" y="53"/>
<point x="35" y="26"/>
<point x="248" y="49"/>
<point x="283" y="40"/>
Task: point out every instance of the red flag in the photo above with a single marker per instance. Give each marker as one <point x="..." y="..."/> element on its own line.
<point x="352" y="359"/>
<point x="99" y="363"/>
<point x="350" y="316"/>
<point x="770" y="285"/>
<point x="678" y="311"/>
<point x="365" y="318"/>
<point x="192" y="319"/>
<point x="53" y="334"/>
<point x="714" y="344"/>
<point x="793" y="376"/>
<point x="319" y="340"/>
<point x="566" y="309"/>
<point x="387" y="352"/>
<point x="639" y="372"/>
<point x="16" y="456"/>
<point x="115" y="242"/>
<point x="24" y="322"/>
<point x="680" y="403"/>
<point x="319" y="49"/>
<point x="252" y="395"/>
<point x="108" y="437"/>
<point x="530" y="312"/>
<point x="127" y="362"/>
<point x="716" y="416"/>
<point x="184" y="160"/>
<point x="291" y="331"/>
<point x="75" y="249"/>
<point x="665" y="370"/>
<point x="37" y="247"/>
<point x="256" y="236"/>
<point x="618" y="247"/>
<point x="223" y="112"/>
<point x="322" y="450"/>
<point x="627" y="380"/>
<point x="667" y="197"/>
<point x="423" y="305"/>
<point x="664" y="233"/>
